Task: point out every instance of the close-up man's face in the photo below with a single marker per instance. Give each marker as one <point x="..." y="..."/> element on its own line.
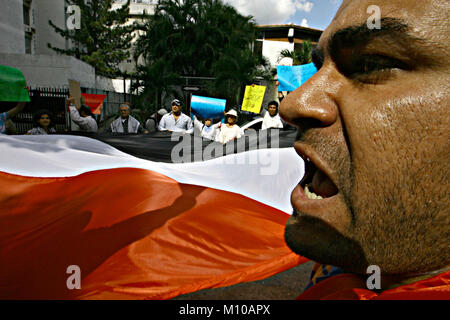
<point x="272" y="110"/>
<point x="374" y="132"/>
<point x="124" y="112"/>
<point x="231" y="119"/>
<point x="176" y="108"/>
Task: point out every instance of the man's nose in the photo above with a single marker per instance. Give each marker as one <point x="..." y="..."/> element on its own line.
<point x="313" y="104"/>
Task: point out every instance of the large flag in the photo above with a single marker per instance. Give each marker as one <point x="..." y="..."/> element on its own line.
<point x="137" y="229"/>
<point x="330" y="283"/>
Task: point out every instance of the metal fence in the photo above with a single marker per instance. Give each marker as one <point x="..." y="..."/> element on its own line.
<point x="54" y="100"/>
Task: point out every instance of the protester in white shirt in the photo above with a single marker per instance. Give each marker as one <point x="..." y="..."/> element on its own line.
<point x="272" y="118"/>
<point x="82" y="117"/>
<point x="229" y="130"/>
<point x="176" y="121"/>
<point x="208" y="130"/>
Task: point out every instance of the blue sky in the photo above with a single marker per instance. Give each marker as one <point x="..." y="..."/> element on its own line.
<point x="320" y="15"/>
<point x="312" y="13"/>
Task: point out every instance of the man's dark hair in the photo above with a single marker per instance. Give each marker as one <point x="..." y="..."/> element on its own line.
<point x="273" y="103"/>
<point x="84" y="108"/>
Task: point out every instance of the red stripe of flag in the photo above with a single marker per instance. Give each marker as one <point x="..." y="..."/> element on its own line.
<point x="135" y="234"/>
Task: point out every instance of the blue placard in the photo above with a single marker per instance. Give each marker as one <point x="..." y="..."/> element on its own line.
<point x="208" y="107"/>
<point x="292" y="77"/>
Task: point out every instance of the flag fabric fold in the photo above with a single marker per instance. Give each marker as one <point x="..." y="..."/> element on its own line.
<point x="136" y="229"/>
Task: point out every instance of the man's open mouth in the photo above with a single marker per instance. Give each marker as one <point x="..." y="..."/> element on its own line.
<point x="315" y="183"/>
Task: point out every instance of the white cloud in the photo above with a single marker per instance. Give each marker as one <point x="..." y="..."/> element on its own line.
<point x="304" y="23"/>
<point x="305" y="6"/>
<point x="271" y="11"/>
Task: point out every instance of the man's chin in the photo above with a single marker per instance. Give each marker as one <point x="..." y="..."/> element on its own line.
<point x="316" y="240"/>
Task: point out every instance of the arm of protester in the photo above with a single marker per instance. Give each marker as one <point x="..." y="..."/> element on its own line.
<point x="239" y="132"/>
<point x="162" y="124"/>
<point x="198" y="124"/>
<point x="190" y="126"/>
<point x="263" y="125"/>
<point x="77" y="118"/>
<point x="141" y="130"/>
<point x="18" y="108"/>
<point x="71" y="102"/>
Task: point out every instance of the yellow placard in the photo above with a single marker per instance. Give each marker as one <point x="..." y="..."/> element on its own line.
<point x="253" y="98"/>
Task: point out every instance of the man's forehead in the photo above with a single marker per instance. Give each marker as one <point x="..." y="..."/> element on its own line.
<point x="356" y="13"/>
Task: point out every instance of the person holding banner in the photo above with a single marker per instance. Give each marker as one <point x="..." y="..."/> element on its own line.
<point x="208" y="130"/>
<point x="82" y="116"/>
<point x="230" y="130"/>
<point x="126" y="123"/>
<point x="272" y="118"/>
<point x="176" y="121"/>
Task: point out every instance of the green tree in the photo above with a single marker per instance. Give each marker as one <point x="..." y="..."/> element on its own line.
<point x="104" y="39"/>
<point x="198" y="38"/>
<point x="299" y="56"/>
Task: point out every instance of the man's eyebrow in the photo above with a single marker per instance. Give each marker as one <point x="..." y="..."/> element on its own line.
<point x="359" y="36"/>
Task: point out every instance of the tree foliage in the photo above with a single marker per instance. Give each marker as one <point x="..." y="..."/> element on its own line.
<point x="198" y="38"/>
<point x="299" y="56"/>
<point x="104" y="39"/>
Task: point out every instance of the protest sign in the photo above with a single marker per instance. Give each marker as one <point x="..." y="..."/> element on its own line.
<point x="292" y="77"/>
<point x="253" y="98"/>
<point x="75" y="92"/>
<point x="13" y="85"/>
<point x="208" y="107"/>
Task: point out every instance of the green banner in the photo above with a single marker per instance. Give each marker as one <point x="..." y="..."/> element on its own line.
<point x="12" y="85"/>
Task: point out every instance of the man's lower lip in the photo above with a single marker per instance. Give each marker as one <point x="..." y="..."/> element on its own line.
<point x="301" y="202"/>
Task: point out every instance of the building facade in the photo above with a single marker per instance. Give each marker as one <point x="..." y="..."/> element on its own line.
<point x="25" y="34"/>
<point x="272" y="39"/>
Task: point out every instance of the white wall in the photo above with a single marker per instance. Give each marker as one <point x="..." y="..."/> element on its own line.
<point x="12" y="34"/>
<point x="272" y="49"/>
<point x="55" y="71"/>
<point x="46" y="10"/>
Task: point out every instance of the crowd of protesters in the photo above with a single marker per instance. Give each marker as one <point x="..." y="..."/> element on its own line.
<point x="82" y="120"/>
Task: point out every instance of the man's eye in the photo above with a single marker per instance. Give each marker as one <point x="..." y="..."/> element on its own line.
<point x="374" y="68"/>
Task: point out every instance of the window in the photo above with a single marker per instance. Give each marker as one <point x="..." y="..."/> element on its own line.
<point x="28" y="26"/>
<point x="258" y="48"/>
<point x="27" y="13"/>
<point x="28" y="43"/>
